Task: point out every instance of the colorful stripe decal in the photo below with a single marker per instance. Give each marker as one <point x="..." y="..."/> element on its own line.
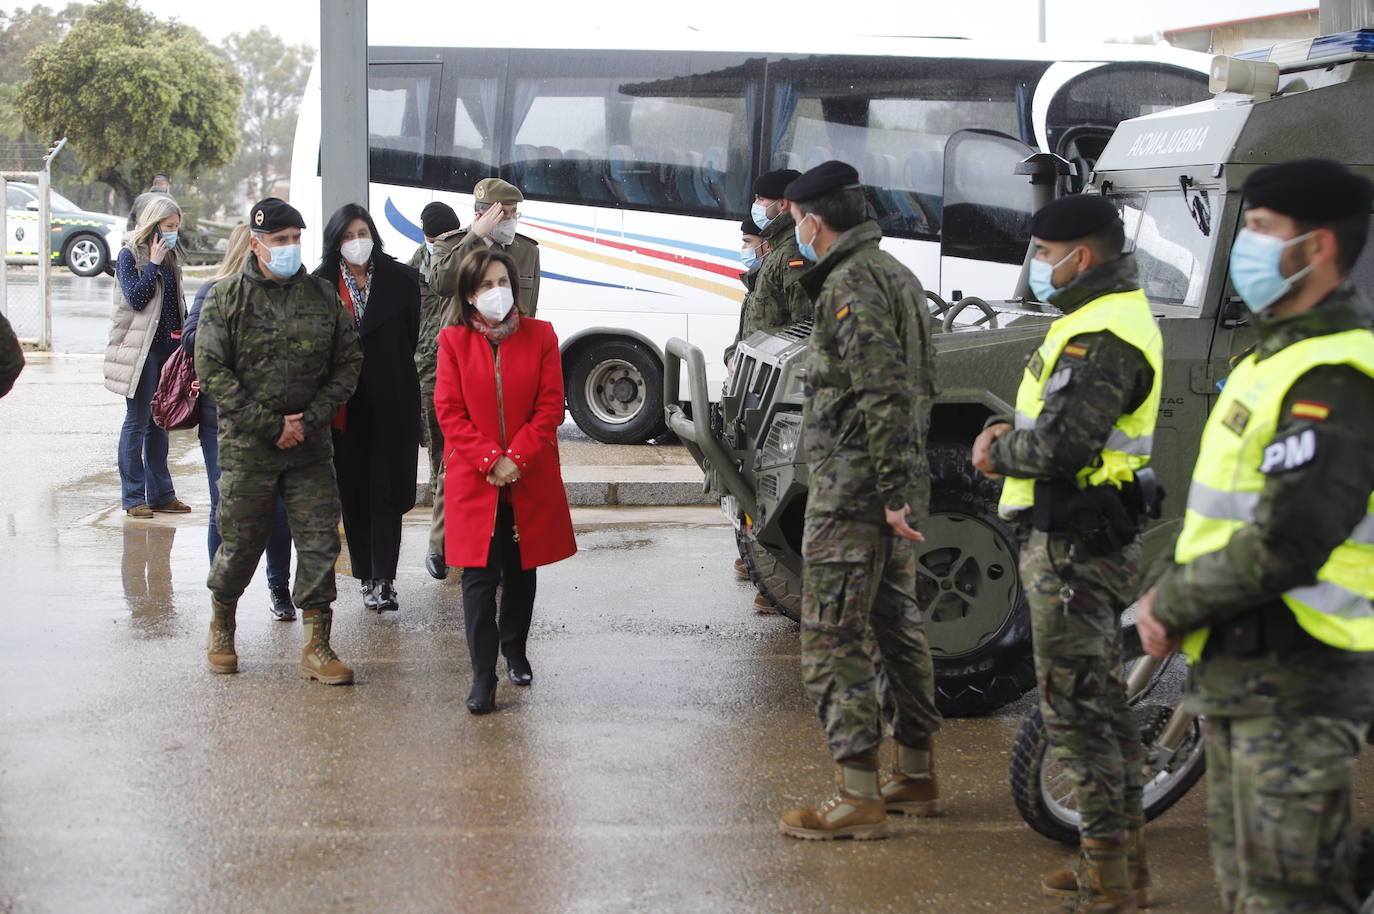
<point x="723" y="253"/>
<point x="734" y="293"/>
<point x="592" y="282"/>
<point x="719" y="270"/>
<point x="401" y="224"/>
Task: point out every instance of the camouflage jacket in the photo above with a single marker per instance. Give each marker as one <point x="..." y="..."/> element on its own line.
<point x="11" y="356"/>
<point x="778" y="298"/>
<point x="869" y="383"/>
<point x="433" y="318"/>
<point x="1303" y="513"/>
<point x="450" y="250"/>
<point x="1110" y="379"/>
<point x="266" y="350"/>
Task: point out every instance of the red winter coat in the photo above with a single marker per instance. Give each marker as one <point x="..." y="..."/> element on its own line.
<point x="465" y="401"/>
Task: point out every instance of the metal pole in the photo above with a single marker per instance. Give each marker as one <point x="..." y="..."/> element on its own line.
<point x="4" y="248"/>
<point x="343" y="104"/>
<point x="45" y="247"/>
<point x="1042" y="21"/>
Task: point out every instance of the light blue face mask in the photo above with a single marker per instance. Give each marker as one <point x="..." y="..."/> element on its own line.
<point x="1042" y="278"/>
<point x="807" y="250"/>
<point x="1255" y="268"/>
<point x="759" y="213"/>
<point x="170" y="238"/>
<point x="286" y="260"/>
<point x="749" y="257"/>
<point x="429" y="246"/>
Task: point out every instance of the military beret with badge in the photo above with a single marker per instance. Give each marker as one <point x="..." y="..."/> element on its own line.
<point x="496" y="191"/>
<point x="274" y="214"/>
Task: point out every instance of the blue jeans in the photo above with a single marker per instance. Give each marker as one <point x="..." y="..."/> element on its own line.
<point x="279" y="544"/>
<point x="143" y="475"/>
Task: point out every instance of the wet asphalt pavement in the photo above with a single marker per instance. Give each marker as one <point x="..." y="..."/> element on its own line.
<point x="645" y="769"/>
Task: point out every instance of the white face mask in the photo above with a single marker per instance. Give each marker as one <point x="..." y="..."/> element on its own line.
<point x="504" y="233"/>
<point x="495" y="303"/>
<point x="357" y="251"/>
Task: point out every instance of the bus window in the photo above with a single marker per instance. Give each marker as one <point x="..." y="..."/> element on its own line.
<point x="890" y="118"/>
<point x="402" y="102"/>
<point x="987" y="207"/>
<point x="633" y="130"/>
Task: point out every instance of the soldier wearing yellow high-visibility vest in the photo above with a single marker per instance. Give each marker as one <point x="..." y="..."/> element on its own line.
<point x="1085" y="417"/>
<point x="1273" y="576"/>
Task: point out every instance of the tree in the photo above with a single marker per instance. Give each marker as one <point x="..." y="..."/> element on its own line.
<point x="22" y="31"/>
<point x="135" y="95"/>
<point x="274" y="75"/>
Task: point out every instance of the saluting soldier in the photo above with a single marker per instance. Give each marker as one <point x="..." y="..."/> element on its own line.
<point x="1085" y="418"/>
<point x="1273" y="572"/>
<point x="870" y="383"/>
<point x="279" y="354"/>
<point x="776" y="297"/>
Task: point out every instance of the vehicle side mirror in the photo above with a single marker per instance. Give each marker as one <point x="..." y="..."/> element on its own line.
<point x="1234" y="313"/>
<point x="32" y="204"/>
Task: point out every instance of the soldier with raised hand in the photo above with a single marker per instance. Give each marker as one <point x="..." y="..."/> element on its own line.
<point x="496" y="204"/>
<point x="776" y="298"/>
<point x="870" y="383"/>
<point x="279" y="354"/>
<point x="1273" y="576"/>
<point x="1085" y="416"/>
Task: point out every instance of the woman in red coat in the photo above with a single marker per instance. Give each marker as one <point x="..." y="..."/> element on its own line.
<point x="499" y="399"/>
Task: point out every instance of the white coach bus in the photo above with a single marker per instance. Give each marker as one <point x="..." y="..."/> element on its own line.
<point x="636" y="157"/>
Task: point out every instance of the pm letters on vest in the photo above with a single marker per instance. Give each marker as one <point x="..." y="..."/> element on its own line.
<point x="1290" y="453"/>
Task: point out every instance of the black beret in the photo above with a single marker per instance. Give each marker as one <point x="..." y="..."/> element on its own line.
<point x="437" y="218"/>
<point x="1073" y="217"/>
<point x="1311" y="190"/>
<point x="825" y="178"/>
<point x="747" y="227"/>
<point x="273" y="215"/>
<point x="772" y="185"/>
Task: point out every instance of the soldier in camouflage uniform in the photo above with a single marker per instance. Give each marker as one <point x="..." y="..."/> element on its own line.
<point x="11" y="356"/>
<point x="279" y="355"/>
<point x="869" y="388"/>
<point x="1285" y="677"/>
<point x="437" y="221"/>
<point x="776" y="297"/>
<point x="1098" y="371"/>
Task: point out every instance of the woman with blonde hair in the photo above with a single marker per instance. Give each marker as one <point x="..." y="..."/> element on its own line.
<point x="145" y="325"/>
<point x="279" y="545"/>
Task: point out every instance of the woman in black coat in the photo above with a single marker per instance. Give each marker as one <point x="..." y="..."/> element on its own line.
<point x="377" y="433"/>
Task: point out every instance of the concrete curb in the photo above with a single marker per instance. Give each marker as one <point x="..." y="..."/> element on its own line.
<point x="670" y="485"/>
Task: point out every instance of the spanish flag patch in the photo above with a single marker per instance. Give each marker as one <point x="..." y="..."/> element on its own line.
<point x="1309" y="409"/>
<point x="1076" y="350"/>
<point x="796" y="263"/>
<point x="842" y="313"/>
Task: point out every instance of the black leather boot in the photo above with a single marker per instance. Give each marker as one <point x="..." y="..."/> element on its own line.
<point x="386" y="597"/>
<point x="482" y="696"/>
<point x="281" y="606"/>
<point x="369" y="589"/>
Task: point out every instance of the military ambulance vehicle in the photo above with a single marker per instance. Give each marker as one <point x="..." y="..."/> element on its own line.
<point x="1175" y="175"/>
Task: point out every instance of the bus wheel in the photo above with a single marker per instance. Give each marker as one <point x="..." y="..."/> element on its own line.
<point x="615" y="392"/>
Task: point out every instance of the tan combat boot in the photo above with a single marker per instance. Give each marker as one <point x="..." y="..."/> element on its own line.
<point x="741" y="572"/>
<point x="911" y="789"/>
<point x="318" y="660"/>
<point x="1064" y="883"/>
<point x="1104" y="880"/>
<point x="855" y="811"/>
<point x="219" y="653"/>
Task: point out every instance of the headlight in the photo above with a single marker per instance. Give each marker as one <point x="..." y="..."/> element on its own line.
<point x="784" y="436"/>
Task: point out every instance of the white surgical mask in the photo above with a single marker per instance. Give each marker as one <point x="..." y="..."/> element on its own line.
<point x="357" y="251"/>
<point x="495" y="303"/>
<point x="504" y="233"/>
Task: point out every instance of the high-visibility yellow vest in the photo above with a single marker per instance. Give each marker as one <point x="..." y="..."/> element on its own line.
<point x="1238" y="447"/>
<point x="1127" y="316"/>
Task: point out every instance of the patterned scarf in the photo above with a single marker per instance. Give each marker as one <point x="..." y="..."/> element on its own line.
<point x="357" y="297"/>
<point x="499" y="332"/>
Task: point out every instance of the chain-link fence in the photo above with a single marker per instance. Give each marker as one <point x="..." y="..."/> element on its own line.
<point x="26" y="227"/>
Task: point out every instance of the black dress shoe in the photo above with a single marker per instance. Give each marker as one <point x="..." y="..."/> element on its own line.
<point x="482" y="697"/>
<point x="519" y="672"/>
<point x="436" y="566"/>
<point x="369" y="589"/>
<point x="281" y="606"/>
<point x="386" y="597"/>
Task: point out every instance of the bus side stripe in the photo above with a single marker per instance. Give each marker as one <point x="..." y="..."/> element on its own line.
<point x="723" y="253"/>
<point x="734" y="294"/>
<point x="731" y="272"/>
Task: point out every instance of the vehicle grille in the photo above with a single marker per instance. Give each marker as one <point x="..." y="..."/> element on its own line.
<point x="799" y="332"/>
<point x="768" y="485"/>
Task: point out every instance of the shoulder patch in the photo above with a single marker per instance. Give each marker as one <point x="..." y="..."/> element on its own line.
<point x="1036" y="365"/>
<point x="1310" y="409"/>
<point x="796" y="263"/>
<point x="1075" y="350"/>
<point x="1237" y="418"/>
<point x="1290" y="453"/>
<point x="842" y="313"/>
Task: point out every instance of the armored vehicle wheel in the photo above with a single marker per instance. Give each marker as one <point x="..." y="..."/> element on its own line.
<point x="770" y="577"/>
<point x="969" y="591"/>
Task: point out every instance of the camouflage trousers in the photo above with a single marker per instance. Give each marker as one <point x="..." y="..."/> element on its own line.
<point x="1078" y="658"/>
<point x="247" y="505"/>
<point x="864" y="651"/>
<point x="432" y="437"/>
<point x="1279" y="812"/>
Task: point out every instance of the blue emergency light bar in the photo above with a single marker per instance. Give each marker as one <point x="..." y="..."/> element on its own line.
<point x="1324" y="47"/>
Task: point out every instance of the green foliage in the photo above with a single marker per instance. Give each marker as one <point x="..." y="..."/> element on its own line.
<point x="135" y="95"/>
<point x="274" y="75"/>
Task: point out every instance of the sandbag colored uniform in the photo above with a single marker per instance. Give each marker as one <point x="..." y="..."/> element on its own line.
<point x="870" y="383"/>
<point x="263" y="351"/>
<point x="776" y="297"/>
<point x="1085" y="411"/>
<point x="1274" y="559"/>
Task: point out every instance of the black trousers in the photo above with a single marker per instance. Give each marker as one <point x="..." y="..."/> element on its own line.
<point x="487" y="633"/>
<point x="374" y="539"/>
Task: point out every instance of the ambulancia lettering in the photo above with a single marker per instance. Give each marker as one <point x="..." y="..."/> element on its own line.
<point x="1169" y="142"/>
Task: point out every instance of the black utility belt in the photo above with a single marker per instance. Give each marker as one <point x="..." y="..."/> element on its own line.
<point x="1271" y="628"/>
<point x="1099" y="519"/>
